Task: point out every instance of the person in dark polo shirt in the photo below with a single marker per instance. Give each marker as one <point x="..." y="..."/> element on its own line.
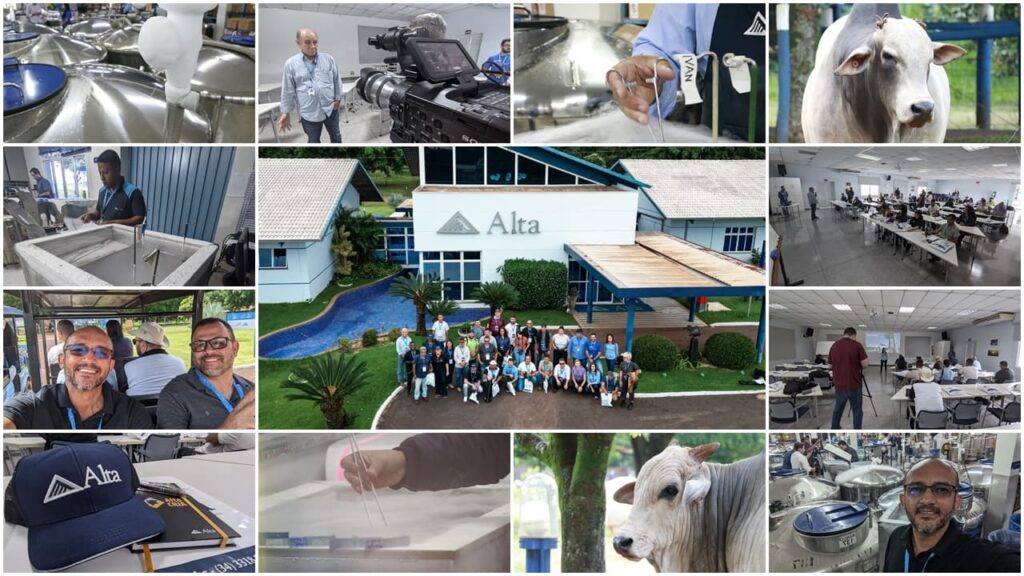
<point x="848" y="359"/>
<point x="931" y="542"/>
<point x="82" y="402"/>
<point x="119" y="201"/>
<point x="209" y="396"/>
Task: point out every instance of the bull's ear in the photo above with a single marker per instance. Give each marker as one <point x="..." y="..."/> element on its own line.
<point x="943" y="53"/>
<point x="624" y="495"/>
<point x="704" y="452"/>
<point x="697" y="486"/>
<point x="855" y="63"/>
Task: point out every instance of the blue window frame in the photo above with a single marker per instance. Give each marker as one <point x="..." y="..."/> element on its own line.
<point x="273" y="258"/>
<point x="738" y="239"/>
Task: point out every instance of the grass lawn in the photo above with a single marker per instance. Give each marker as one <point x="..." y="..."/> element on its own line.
<point x="277" y="316"/>
<point x="395" y="184"/>
<point x="377" y="208"/>
<point x="540" y="317"/>
<point x="703" y="378"/>
<point x="737" y="311"/>
<point x="181" y="334"/>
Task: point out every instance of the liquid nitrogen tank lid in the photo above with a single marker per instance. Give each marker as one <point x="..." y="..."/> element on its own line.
<point x="787" y="472"/>
<point x="831" y="519"/>
<point x="965" y="490"/>
<point x="34" y="84"/>
<point x="240" y="39"/>
<point x="11" y="37"/>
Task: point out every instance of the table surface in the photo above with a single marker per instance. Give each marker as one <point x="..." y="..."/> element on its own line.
<point x="965" y="391"/>
<point x="778" y="393"/>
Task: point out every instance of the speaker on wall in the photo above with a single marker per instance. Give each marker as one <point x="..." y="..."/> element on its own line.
<point x="945" y="335"/>
<point x="782" y="170"/>
<point x="808" y="332"/>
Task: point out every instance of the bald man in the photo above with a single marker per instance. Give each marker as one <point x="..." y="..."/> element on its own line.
<point x="83" y="401"/>
<point x="311" y="81"/>
<point x="931" y="543"/>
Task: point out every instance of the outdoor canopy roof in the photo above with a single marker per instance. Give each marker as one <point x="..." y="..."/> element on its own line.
<point x="660" y="264"/>
<point x="102" y="301"/>
<point x="298" y="197"/>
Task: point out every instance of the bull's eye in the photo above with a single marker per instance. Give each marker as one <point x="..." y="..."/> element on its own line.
<point x="889" y="57"/>
<point x="669" y="492"/>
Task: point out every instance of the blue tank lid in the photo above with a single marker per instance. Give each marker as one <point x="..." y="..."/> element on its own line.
<point x="19" y="36"/>
<point x="36" y="83"/>
<point x="831" y="519"/>
<point x="965" y="490"/>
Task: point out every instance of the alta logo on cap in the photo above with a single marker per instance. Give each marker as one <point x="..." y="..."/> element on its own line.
<point x="61" y="486"/>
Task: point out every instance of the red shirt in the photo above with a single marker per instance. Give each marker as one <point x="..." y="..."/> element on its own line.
<point x="845" y="357"/>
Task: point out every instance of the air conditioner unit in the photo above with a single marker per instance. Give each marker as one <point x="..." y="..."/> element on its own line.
<point x="994" y="319"/>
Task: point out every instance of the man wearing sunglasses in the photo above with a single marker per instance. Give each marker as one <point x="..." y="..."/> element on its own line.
<point x="209" y="396"/>
<point x="932" y="543"/>
<point x="82" y="402"/>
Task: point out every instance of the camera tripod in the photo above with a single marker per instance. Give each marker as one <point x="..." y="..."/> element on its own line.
<point x="867" y="392"/>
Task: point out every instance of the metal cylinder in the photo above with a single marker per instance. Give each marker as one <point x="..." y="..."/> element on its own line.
<point x="868" y="483"/>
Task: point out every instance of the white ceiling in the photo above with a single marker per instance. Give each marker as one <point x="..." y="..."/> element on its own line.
<point x="386" y="11"/>
<point x="936" y="162"/>
<point x="879" y="309"/>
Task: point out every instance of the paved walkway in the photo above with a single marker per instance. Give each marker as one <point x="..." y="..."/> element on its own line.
<point x="570" y="411"/>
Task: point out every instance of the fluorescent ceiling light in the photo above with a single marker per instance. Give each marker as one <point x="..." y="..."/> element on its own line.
<point x="913" y="159"/>
<point x="825" y="325"/>
<point x="842" y="307"/>
<point x="862" y="325"/>
<point x="866" y="156"/>
<point x="1003" y="165"/>
<point x="965" y="313"/>
<point x="906" y="309"/>
<point x="951" y="169"/>
<point x="933" y="327"/>
<point x="775" y="306"/>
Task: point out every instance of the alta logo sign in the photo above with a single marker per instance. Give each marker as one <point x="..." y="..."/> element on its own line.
<point x="61" y="486"/>
<point x="458" y="224"/>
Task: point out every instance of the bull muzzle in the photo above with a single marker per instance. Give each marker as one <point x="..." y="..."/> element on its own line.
<point x="623" y="545"/>
<point x="921" y="112"/>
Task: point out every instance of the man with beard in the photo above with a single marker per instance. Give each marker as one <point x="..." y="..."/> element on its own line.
<point x="82" y="402"/>
<point x="931" y="543"/>
<point x="209" y="396"/>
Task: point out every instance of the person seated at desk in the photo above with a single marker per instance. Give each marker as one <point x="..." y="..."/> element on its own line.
<point x="152" y="369"/>
<point x="901" y="362"/>
<point x="917" y="222"/>
<point x="1004" y="374"/>
<point x="217" y="442"/>
<point x="999" y="211"/>
<point x="947" y="374"/>
<point x="948" y="203"/>
<point x="83" y="401"/>
<point x="209" y="396"/>
<point x="967" y="218"/>
<point x="926" y="394"/>
<point x="969" y="371"/>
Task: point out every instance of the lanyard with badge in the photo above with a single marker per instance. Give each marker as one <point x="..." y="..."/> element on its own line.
<point x="74" y="425"/>
<point x="224" y="401"/>
<point x="106" y="202"/>
<point x="906" y="561"/>
<point x="311" y="70"/>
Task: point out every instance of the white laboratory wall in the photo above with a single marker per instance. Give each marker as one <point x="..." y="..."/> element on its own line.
<point x="564" y="217"/>
<point x="793" y="186"/>
<point x="15" y="167"/>
<point x="338" y="36"/>
<point x="1007" y="333"/>
<point x="829" y="184"/>
<point x="602" y="12"/>
<point x="34" y="160"/>
<point x="492" y="21"/>
<point x="234" y="195"/>
<point x="1003" y="189"/>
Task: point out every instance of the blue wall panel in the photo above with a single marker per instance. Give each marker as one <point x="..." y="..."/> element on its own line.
<point x="184" y="187"/>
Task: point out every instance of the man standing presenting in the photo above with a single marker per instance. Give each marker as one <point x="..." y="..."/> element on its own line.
<point x="848" y="359"/>
<point x="312" y="80"/>
<point x="812" y="201"/>
<point x="119" y="201"/>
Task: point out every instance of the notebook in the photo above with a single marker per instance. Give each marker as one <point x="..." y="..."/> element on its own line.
<point x="190" y="523"/>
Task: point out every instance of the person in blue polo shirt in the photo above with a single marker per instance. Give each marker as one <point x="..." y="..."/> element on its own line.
<point x="501" y="61"/>
<point x="595" y="351"/>
<point x="578" y="348"/>
<point x="44" y="195"/>
<point x="311" y="86"/>
<point x="119" y="201"/>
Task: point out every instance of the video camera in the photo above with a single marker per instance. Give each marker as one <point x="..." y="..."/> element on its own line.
<point x="436" y="97"/>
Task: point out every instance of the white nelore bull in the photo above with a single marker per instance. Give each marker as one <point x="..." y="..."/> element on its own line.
<point x="877" y="78"/>
<point x="692" y="516"/>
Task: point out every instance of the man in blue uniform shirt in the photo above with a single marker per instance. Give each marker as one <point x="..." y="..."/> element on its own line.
<point x="691" y="29"/>
<point x="119" y="201"/>
<point x="500" y="61"/>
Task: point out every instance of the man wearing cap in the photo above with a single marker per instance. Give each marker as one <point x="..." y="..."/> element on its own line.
<point x="926" y="394"/>
<point x="82" y="402"/>
<point x="209" y="395"/>
<point x="78" y="502"/>
<point x="931" y="542"/>
<point x="119" y="201"/>
<point x="152" y="369"/>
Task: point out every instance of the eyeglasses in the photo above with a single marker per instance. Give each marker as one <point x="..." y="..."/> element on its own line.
<point x="917" y="490"/>
<point x="82" y="350"/>
<point x="215" y="343"/>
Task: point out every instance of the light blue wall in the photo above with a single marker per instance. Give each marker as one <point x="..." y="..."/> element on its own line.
<point x="184" y="187"/>
<point x="707" y="232"/>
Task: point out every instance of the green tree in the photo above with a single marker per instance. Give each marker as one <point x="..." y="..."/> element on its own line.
<point x="326" y="380"/>
<point x="343" y="251"/>
<point x="497" y="295"/>
<point x="442" y="307"/>
<point x="214" y="310"/>
<point x="579" y="463"/>
<point x="803" y="43"/>
<point x="647" y="446"/>
<point x="419" y="290"/>
<point x="364" y="232"/>
<point x="232" y="300"/>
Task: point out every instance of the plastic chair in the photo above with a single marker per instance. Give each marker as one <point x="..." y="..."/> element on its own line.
<point x="159" y="447"/>
<point x="927" y="420"/>
<point x="786" y="411"/>
<point x="966" y="413"/>
<point x="1007" y="414"/>
<point x="824" y="382"/>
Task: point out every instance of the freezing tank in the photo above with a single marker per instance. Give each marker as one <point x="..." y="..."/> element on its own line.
<point x="793" y="491"/>
<point x="867" y="483"/>
<point x="95" y="103"/>
<point x="93" y="28"/>
<point x="831" y="536"/>
<point x="51" y="48"/>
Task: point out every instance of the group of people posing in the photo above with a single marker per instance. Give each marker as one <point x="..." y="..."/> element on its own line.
<point x="512" y="357"/>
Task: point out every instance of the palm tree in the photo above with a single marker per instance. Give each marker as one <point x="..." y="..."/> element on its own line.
<point x="326" y="380"/>
<point x="442" y="307"/>
<point x="364" y="233"/>
<point x="497" y="295"/>
<point x="419" y="290"/>
<point x="343" y="251"/>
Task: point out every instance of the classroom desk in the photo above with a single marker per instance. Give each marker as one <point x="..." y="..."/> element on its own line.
<point x="811" y="366"/>
<point x="793" y="374"/>
<point x="957" y="392"/>
<point x="230" y="483"/>
<point x="268" y="112"/>
<point x="775" y="392"/>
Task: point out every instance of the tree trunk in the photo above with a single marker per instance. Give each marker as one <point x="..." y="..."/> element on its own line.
<point x="803" y="43"/>
<point x="421" y="318"/>
<point x="334" y="414"/>
<point x="648" y="446"/>
<point x="581" y="464"/>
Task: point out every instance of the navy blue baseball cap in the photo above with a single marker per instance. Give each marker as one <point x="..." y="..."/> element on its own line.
<point x="78" y="502"/>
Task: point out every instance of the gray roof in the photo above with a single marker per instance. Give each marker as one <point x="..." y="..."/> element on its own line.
<point x="703" y="188"/>
<point x="299" y="196"/>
